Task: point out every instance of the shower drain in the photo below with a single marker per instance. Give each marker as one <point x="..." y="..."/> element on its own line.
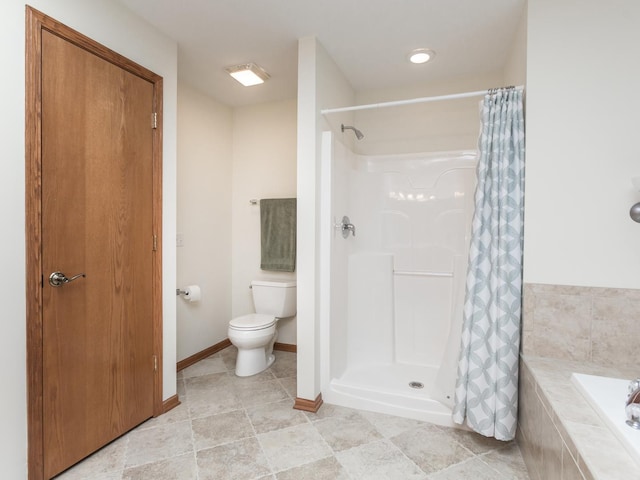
<point x="416" y="384"/>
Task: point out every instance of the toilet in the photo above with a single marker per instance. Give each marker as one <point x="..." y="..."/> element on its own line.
<point x="255" y="334"/>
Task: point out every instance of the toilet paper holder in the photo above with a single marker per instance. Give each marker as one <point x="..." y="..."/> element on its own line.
<point x="190" y="293"/>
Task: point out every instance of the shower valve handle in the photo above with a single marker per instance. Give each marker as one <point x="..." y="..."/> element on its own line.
<point x="347" y="227"/>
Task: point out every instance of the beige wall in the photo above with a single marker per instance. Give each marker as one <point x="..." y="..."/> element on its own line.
<point x="204" y="219"/>
<point x="264" y="166"/>
<point x="226" y="158"/>
<point x="582" y="129"/>
<point x="114" y="26"/>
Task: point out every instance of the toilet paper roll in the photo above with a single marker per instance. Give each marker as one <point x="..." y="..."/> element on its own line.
<point x="192" y="293"/>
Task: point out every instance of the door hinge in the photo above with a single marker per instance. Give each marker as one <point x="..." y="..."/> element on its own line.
<point x="155" y="363"/>
<point x="155" y="243"/>
<point x="154" y="120"/>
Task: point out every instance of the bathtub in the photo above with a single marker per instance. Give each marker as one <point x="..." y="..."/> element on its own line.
<point x="607" y="397"/>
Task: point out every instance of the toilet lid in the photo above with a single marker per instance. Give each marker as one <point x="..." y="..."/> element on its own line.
<point x="253" y="321"/>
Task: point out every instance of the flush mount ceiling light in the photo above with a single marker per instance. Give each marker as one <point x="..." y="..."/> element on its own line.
<point x="248" y="74"/>
<point x="421" y="55"/>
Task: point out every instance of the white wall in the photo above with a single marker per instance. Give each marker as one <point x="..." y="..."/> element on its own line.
<point x="515" y="70"/>
<point x="434" y="127"/>
<point x="203" y="219"/>
<point x="112" y="25"/>
<point x="320" y="85"/>
<point x="423" y="127"/>
<point x="582" y="132"/>
<point x="264" y="166"/>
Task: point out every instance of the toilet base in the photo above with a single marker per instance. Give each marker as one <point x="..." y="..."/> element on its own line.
<point x="252" y="362"/>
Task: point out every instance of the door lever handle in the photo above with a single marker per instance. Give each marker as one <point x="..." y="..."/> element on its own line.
<point x="57" y="279"/>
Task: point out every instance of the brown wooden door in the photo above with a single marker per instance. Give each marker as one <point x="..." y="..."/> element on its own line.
<point x="97" y="189"/>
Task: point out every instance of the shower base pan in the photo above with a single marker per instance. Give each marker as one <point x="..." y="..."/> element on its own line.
<point x="388" y="389"/>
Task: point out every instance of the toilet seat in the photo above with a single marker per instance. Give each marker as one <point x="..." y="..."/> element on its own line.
<point x="253" y="321"/>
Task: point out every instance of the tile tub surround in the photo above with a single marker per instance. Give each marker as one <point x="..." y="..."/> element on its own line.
<point x="589" y="324"/>
<point x="246" y="428"/>
<point x="560" y="435"/>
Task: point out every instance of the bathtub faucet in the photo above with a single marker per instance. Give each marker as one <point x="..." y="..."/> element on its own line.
<point x="633" y="404"/>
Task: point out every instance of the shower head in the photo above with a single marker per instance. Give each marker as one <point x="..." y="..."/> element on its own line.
<point x="358" y="133"/>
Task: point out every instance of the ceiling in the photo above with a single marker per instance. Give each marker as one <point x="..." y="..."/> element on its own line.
<point x="368" y="39"/>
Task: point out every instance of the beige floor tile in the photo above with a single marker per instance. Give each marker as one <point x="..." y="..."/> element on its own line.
<point x="293" y="446"/>
<point x="229" y="356"/>
<point x="285" y="364"/>
<point x="379" y="461"/>
<point x="275" y="416"/>
<point x="107" y="461"/>
<point x="182" y="467"/>
<point x="177" y="414"/>
<point x="290" y="385"/>
<point x="181" y="390"/>
<point x="158" y="443"/>
<point x="208" y="383"/>
<point x="390" y="425"/>
<point x="218" y="400"/>
<point x="347" y="432"/>
<point x="473" y="469"/>
<point x="241" y="460"/>
<point x="431" y="448"/>
<point x="508" y="461"/>
<point x="326" y="469"/>
<point x="245" y="428"/>
<point x="104" y="476"/>
<point x="474" y="441"/>
<point x="209" y="365"/>
<point x="223" y="428"/>
<point x="244" y="382"/>
<point x="328" y="411"/>
<point x="259" y="393"/>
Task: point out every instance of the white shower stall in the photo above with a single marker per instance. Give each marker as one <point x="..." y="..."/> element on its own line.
<point x="392" y="294"/>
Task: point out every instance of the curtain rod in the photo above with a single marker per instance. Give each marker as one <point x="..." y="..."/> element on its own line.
<point x="409" y="101"/>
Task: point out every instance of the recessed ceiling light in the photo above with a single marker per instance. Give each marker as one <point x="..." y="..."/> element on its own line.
<point x="248" y="74"/>
<point x="421" y="55"/>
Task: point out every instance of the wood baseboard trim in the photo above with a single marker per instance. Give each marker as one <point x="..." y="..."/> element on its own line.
<point x="285" y="347"/>
<point x="196" y="357"/>
<point x="187" y="362"/>
<point x="170" y="403"/>
<point x="308" y="405"/>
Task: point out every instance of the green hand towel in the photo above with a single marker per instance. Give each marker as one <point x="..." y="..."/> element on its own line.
<point x="278" y="234"/>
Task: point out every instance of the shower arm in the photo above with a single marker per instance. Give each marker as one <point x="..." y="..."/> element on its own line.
<point x="359" y="134"/>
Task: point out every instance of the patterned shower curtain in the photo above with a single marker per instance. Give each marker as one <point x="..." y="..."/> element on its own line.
<point x="487" y="387"/>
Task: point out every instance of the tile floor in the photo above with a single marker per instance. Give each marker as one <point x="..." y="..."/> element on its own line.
<point x="245" y="428"/>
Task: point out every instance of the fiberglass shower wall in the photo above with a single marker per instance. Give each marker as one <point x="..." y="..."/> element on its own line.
<point x="393" y="284"/>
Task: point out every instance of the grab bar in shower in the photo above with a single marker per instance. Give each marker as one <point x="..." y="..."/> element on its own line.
<point x="421" y="273"/>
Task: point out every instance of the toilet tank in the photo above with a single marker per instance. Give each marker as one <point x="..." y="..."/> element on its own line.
<point x="274" y="298"/>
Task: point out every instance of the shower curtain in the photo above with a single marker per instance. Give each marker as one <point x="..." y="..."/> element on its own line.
<point x="487" y="385"/>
